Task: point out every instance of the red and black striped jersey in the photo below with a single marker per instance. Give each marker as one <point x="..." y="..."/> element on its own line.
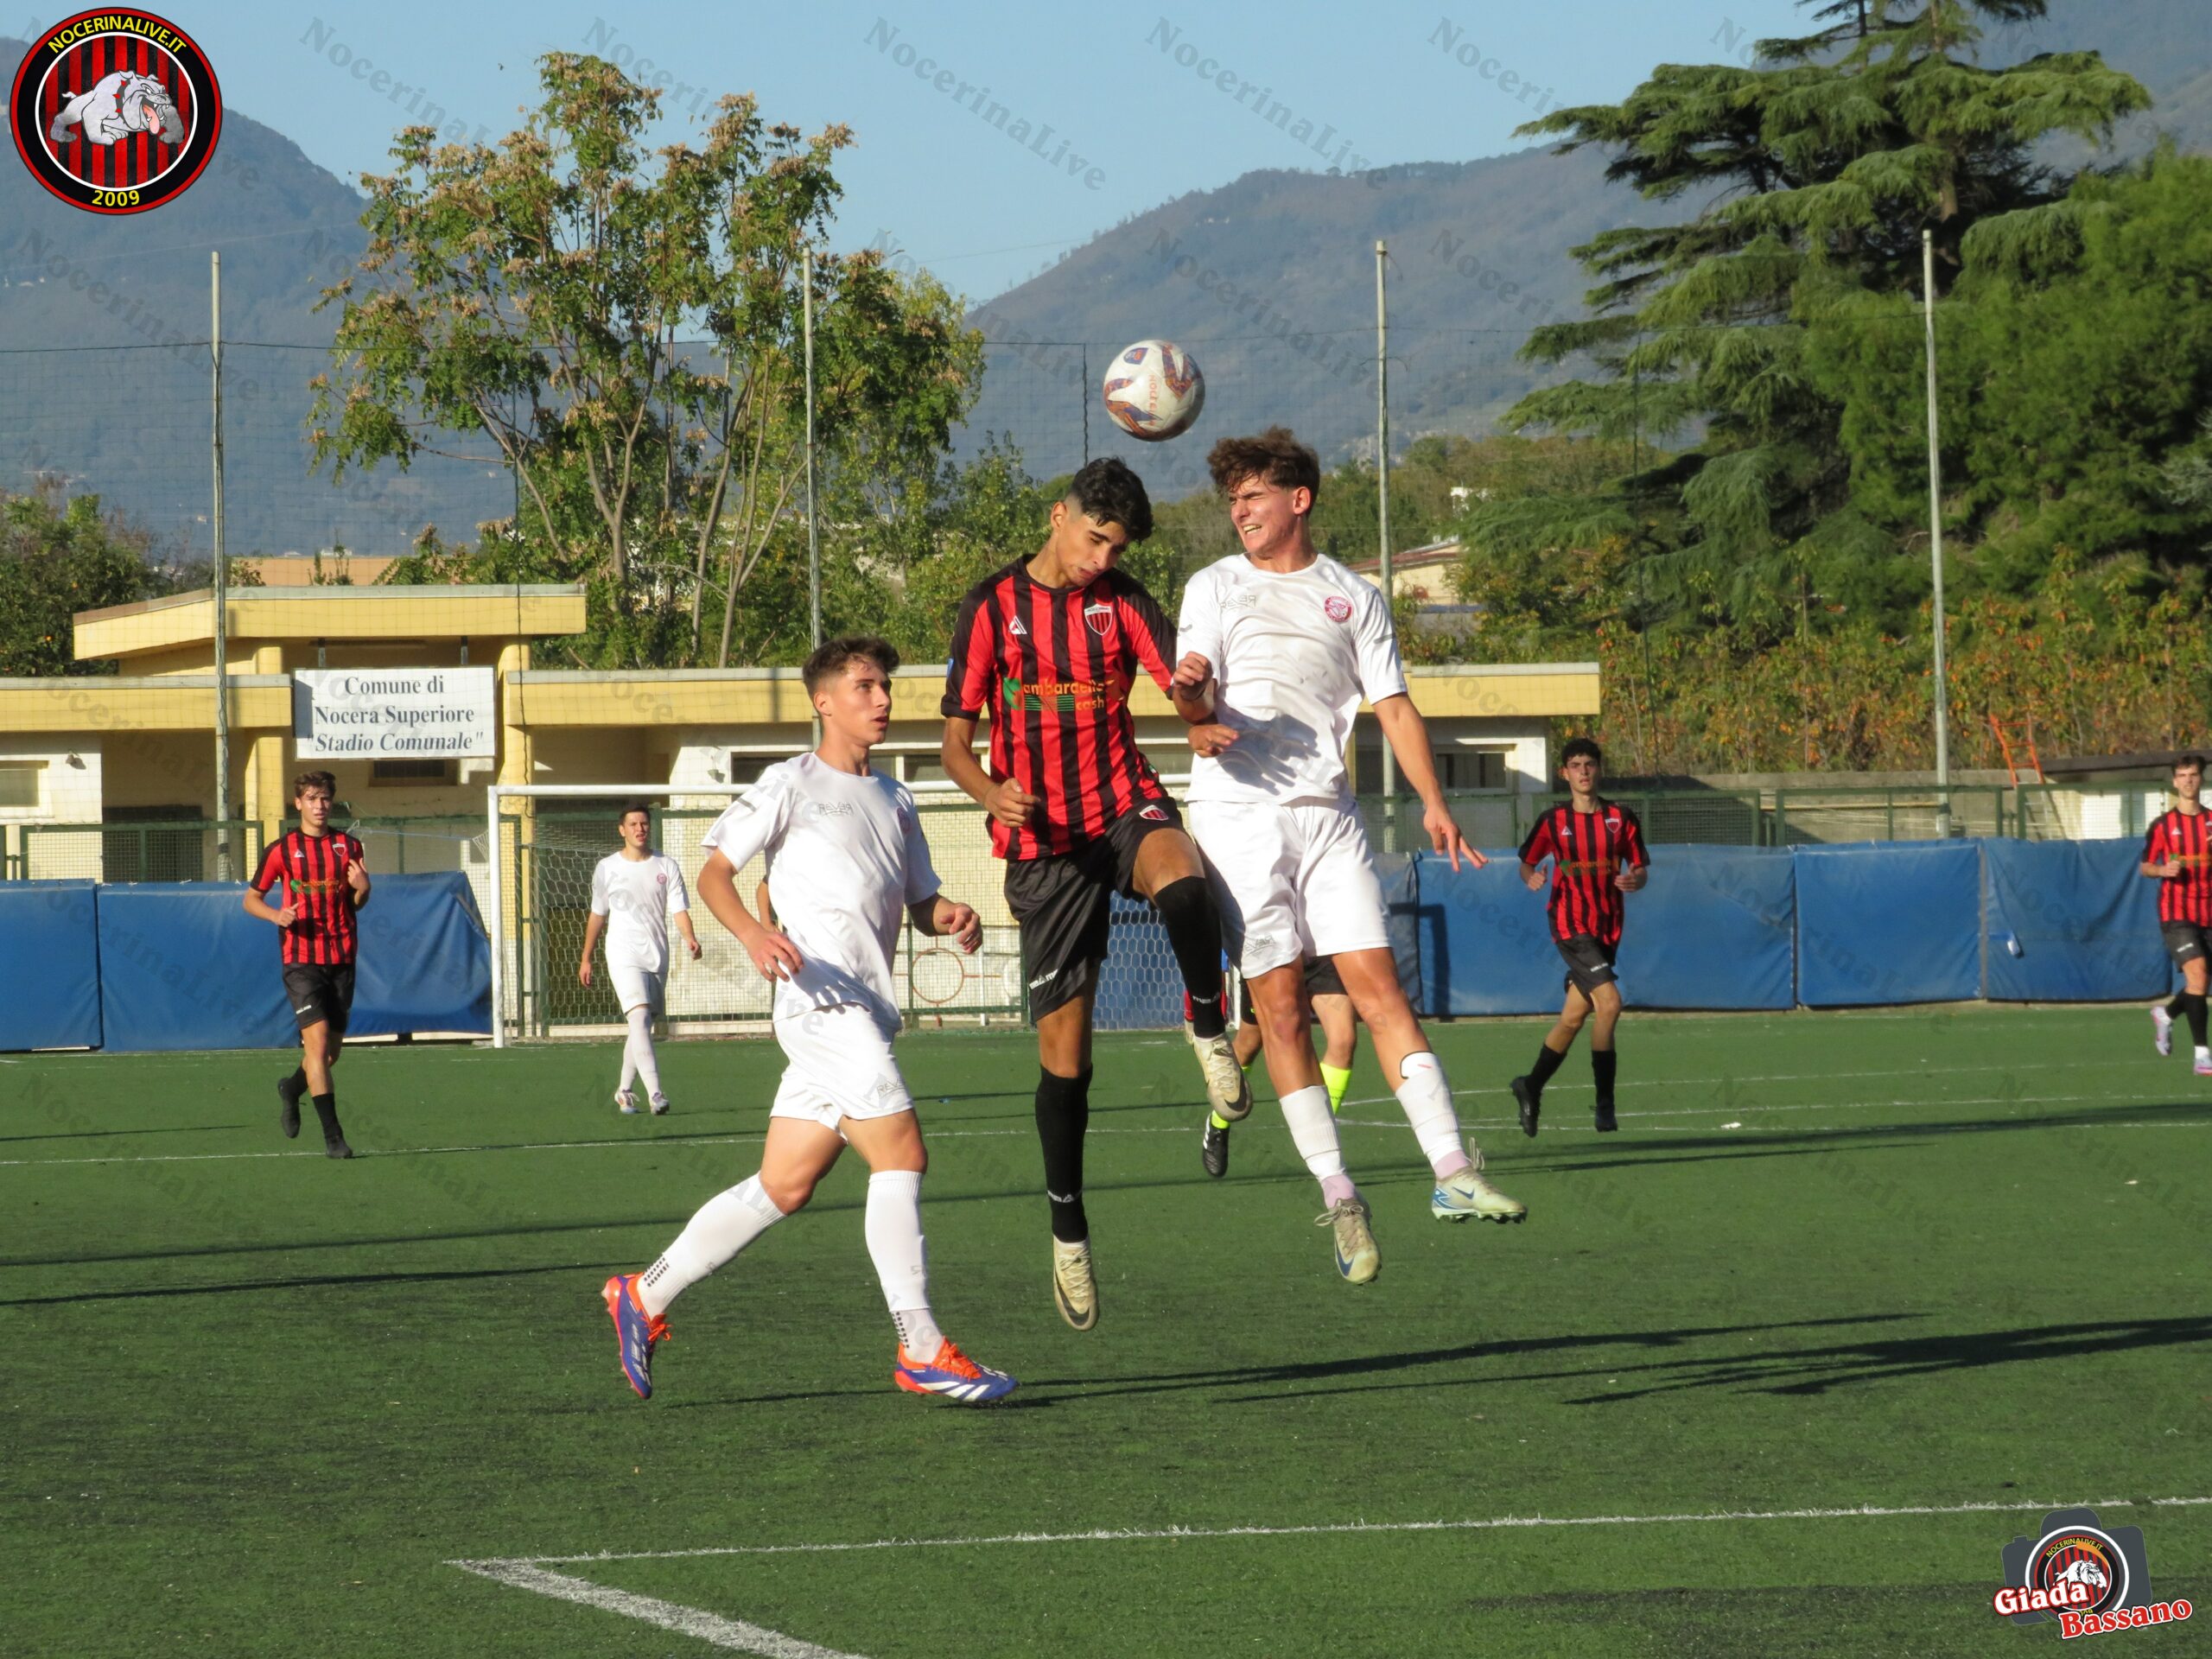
<point x="2185" y="896"/>
<point x="1588" y="850"/>
<point x="1053" y="667"/>
<point x="311" y="871"/>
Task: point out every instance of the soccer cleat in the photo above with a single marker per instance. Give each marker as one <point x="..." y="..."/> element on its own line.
<point x="635" y="1333"/>
<point x="951" y="1376"/>
<point x="1213" y="1149"/>
<point x="625" y="1102"/>
<point x="1457" y="1198"/>
<point x="659" y="1103"/>
<point x="1531" y="1105"/>
<point x="334" y="1145"/>
<point x="1228" y="1089"/>
<point x="1074" y="1287"/>
<point x="2162" y="1030"/>
<point x="289" y="1091"/>
<point x="1605" y="1122"/>
<point x="2204" y="1064"/>
<point x="1358" y="1260"/>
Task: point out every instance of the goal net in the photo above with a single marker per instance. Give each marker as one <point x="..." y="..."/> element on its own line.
<point x="535" y="892"/>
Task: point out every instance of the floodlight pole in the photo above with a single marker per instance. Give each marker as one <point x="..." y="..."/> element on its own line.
<point x="219" y="577"/>
<point x="813" y="540"/>
<point x="1936" y="531"/>
<point x="1383" y="501"/>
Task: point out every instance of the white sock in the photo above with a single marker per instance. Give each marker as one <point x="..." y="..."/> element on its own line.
<point x="1428" y="1100"/>
<point x="629" y="1057"/>
<point x="640" y="1051"/>
<point x="725" y="1224"/>
<point x="1313" y="1132"/>
<point x="901" y="1257"/>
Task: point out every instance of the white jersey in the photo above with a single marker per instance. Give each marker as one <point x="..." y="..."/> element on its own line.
<point x="846" y="856"/>
<point x="638" y="896"/>
<point x="1294" y="654"/>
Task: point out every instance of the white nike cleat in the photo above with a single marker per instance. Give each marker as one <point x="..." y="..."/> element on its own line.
<point x="2162" y="1029"/>
<point x="659" y="1103"/>
<point x="1075" y="1289"/>
<point x="2204" y="1063"/>
<point x="1465" y="1195"/>
<point x="625" y="1102"/>
<point x="1228" y="1089"/>
<point x="1358" y="1260"/>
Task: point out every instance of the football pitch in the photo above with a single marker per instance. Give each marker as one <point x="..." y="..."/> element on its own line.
<point x="1849" y="1303"/>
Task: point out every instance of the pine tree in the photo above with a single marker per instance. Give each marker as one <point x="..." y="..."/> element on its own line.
<point x="1814" y="173"/>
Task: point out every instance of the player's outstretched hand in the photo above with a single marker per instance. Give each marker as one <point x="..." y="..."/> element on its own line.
<point x="1010" y="804"/>
<point x="1210" y="739"/>
<point x="1444" y="835"/>
<point x="776" y="956"/>
<point x="1631" y="877"/>
<point x="960" y="924"/>
<point x="583" y="973"/>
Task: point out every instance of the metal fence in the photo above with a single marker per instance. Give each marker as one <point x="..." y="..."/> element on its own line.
<point x="186" y="849"/>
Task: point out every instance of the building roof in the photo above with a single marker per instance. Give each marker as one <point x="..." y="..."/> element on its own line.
<point x="508" y="611"/>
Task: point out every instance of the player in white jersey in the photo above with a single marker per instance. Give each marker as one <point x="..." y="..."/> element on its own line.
<point x="1291" y="642"/>
<point x="634" y="894"/>
<point x="846" y="860"/>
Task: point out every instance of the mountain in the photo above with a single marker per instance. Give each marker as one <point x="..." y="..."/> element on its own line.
<point x="105" y="374"/>
<point x="1270" y="280"/>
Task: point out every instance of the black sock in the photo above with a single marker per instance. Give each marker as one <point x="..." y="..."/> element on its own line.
<point x="1602" y="1064"/>
<point x="2195" y="1010"/>
<point x="326" y="1108"/>
<point x="298" y="1080"/>
<point x="1186" y="909"/>
<point x="1063" y="1114"/>
<point x="2178" y="1005"/>
<point x="1548" y="1061"/>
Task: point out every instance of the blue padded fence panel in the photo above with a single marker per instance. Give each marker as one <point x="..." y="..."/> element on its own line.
<point x="182" y="966"/>
<point x="2084" y="918"/>
<point x="1484" y="946"/>
<point x="49" y="965"/>
<point x="425" y="962"/>
<point x="1889" y="923"/>
<point x="1714" y="928"/>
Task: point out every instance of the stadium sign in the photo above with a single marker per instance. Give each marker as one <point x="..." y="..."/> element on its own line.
<point x="388" y="714"/>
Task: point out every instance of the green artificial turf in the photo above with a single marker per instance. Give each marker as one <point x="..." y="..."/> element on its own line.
<point x="259" y="1401"/>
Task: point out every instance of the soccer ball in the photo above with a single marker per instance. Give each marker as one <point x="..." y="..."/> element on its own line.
<point x="1153" y="390"/>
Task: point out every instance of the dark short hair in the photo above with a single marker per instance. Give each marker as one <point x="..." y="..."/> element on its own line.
<point x="628" y="807"/>
<point x="1105" y="489"/>
<point x="327" y="782"/>
<point x="835" y="656"/>
<point x="2190" y="759"/>
<point x="1578" y="746"/>
<point x="1275" y="457"/>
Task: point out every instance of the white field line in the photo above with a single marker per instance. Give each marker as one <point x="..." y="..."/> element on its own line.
<point x="662" y="1143"/>
<point x="1485" y="1524"/>
<point x="734" y="1635"/>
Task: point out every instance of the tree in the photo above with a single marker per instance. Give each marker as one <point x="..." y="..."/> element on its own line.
<point x="1815" y="173"/>
<point x="627" y="342"/>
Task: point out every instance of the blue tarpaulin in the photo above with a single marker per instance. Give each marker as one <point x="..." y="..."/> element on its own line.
<point x="1898" y="922"/>
<point x="49" y="965"/>
<point x="2072" y="921"/>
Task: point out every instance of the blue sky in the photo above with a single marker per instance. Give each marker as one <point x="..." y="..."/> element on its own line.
<point x="934" y="95"/>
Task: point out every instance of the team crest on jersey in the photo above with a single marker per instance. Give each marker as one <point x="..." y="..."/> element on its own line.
<point x="1154" y="813"/>
<point x="1337" y="608"/>
<point x="1100" y="619"/>
<point x="115" y="111"/>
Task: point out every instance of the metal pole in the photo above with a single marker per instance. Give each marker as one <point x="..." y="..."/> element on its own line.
<point x="221" y="586"/>
<point x="1935" y="532"/>
<point x="500" y="923"/>
<point x="813" y="541"/>
<point x="1382" y="494"/>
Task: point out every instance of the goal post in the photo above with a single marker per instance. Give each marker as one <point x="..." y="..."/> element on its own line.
<point x="543" y="840"/>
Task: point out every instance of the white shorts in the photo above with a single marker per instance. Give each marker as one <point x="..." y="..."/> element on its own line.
<point x="1291" y="882"/>
<point x="635" y="987"/>
<point x="839" y="1066"/>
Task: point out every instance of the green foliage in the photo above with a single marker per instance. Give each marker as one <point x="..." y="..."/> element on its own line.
<point x="623" y="331"/>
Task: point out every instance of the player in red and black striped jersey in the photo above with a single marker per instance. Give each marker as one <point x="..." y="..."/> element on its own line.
<point x="2177" y="854"/>
<point x="322" y="884"/>
<point x="1048" y="649"/>
<point x="1596" y="847"/>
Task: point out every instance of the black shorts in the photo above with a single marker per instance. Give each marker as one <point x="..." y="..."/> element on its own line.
<point x="1063" y="903"/>
<point x="1320" y="981"/>
<point x="1589" y="964"/>
<point x="319" y="994"/>
<point x="2186" y="941"/>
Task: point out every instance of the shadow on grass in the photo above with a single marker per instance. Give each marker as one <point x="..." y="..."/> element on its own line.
<point x="154" y="1128"/>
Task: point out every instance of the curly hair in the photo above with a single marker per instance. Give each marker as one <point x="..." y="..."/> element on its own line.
<point x="1275" y="457"/>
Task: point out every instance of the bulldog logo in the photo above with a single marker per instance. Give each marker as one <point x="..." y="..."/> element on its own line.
<point x="115" y="111"/>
